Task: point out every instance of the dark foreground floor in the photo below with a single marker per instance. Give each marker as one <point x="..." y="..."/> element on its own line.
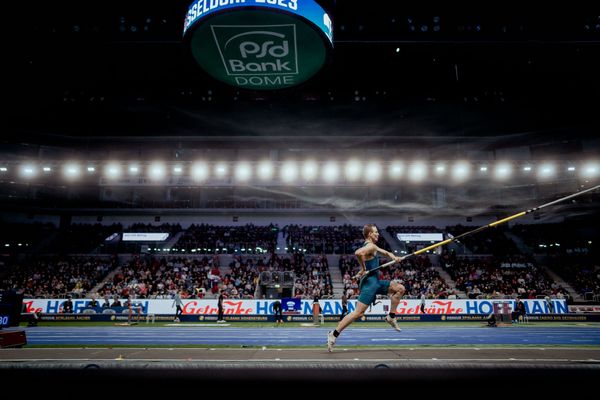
<point x="448" y="372"/>
<point x="451" y="362"/>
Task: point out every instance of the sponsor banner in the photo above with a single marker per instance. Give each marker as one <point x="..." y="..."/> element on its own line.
<point x="515" y="265"/>
<point x="144" y="236"/>
<point x="306" y="318"/>
<point x="565" y="317"/>
<point x="592" y="308"/>
<point x="307" y="9"/>
<point x="420" y="237"/>
<point x="328" y="307"/>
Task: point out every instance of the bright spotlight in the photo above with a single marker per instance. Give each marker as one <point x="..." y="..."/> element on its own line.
<point x="396" y="169"/>
<point x="440" y="169"/>
<point x="28" y="171"/>
<point x="353" y="170"/>
<point x="177" y="170"/>
<point x="289" y="171"/>
<point x="590" y="169"/>
<point x="72" y="170"/>
<point x="221" y="170"/>
<point x="134" y="169"/>
<point x="417" y="171"/>
<point x="243" y="171"/>
<point x="157" y="171"/>
<point x="461" y="171"/>
<point x="331" y="171"/>
<point x="373" y="171"/>
<point x="199" y="171"/>
<point x="265" y="170"/>
<point x="310" y="170"/>
<point x="502" y="171"/>
<point x="546" y="170"/>
<point x="112" y="170"/>
<point x="47" y="169"/>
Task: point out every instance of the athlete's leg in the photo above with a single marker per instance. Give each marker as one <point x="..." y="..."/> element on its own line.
<point x="395" y="292"/>
<point x="358" y="312"/>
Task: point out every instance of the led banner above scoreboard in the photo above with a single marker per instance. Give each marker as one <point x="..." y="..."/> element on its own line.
<point x="259" y="44"/>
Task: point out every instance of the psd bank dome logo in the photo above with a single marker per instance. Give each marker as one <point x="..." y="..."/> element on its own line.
<point x="259" y="44"/>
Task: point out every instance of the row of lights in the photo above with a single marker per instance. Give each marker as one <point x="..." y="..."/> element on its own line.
<point x="353" y="170"/>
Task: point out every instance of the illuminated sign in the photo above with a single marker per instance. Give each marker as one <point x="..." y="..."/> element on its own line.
<point x="145" y="237"/>
<point x="259" y="44"/>
<point x="419" y="237"/>
<point x="11" y="304"/>
<point x="304" y="307"/>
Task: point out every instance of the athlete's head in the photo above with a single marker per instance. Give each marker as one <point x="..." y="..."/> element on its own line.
<point x="370" y="233"/>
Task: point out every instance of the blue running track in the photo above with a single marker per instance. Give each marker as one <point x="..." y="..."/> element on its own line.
<point x="310" y="336"/>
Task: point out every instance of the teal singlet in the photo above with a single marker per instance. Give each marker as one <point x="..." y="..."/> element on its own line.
<point x="370" y="285"/>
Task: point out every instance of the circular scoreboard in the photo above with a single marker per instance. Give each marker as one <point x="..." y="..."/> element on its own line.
<point x="259" y="44"/>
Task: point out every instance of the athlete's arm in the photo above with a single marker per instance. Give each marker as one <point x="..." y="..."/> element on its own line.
<point x="361" y="254"/>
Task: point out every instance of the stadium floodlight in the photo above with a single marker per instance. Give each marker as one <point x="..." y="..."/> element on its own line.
<point x="546" y="170"/>
<point x="353" y="170"/>
<point x="157" y="171"/>
<point x="221" y="170"/>
<point x="177" y="170"/>
<point x="417" y="171"/>
<point x="72" y="170"/>
<point x="396" y="169"/>
<point x="440" y="169"/>
<point x="265" y="170"/>
<point x="310" y="170"/>
<point x="590" y="169"/>
<point x="461" y="171"/>
<point x="373" y="171"/>
<point x="289" y="171"/>
<point x="3" y="169"/>
<point x="134" y="169"/>
<point x="331" y="171"/>
<point x="47" y="169"/>
<point x="503" y="170"/>
<point x="243" y="171"/>
<point x="28" y="171"/>
<point x="91" y="169"/>
<point x="527" y="168"/>
<point x="200" y="171"/>
<point x="113" y="170"/>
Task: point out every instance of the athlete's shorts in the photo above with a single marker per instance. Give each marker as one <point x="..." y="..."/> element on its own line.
<point x="370" y="287"/>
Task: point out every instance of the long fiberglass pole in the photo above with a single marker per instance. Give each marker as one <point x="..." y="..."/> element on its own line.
<point x="481" y="228"/>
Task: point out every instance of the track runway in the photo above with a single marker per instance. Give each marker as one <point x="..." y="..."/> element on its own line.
<point x="228" y="336"/>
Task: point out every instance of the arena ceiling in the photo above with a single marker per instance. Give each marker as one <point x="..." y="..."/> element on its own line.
<point x="114" y="80"/>
<point x="409" y="74"/>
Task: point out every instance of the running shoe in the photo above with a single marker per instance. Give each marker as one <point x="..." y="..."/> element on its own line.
<point x="330" y="341"/>
<point x="393" y="322"/>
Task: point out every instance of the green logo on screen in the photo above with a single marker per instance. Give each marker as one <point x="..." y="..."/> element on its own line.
<point x="260" y="49"/>
<point x="258" y="55"/>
